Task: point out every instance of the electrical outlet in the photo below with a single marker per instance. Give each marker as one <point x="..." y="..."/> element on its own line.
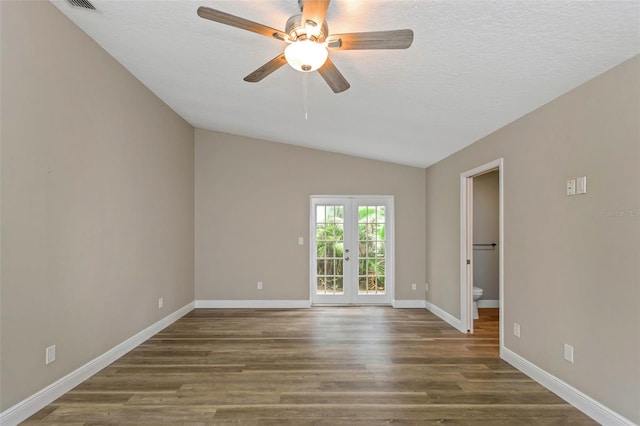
<point x="160" y="303"/>
<point x="426" y="287"/>
<point x="300" y="241"/>
<point x="571" y="187"/>
<point x="568" y="353"/>
<point x="516" y="329"/>
<point x="50" y="354"/>
<point x="259" y="285"/>
<point x="413" y="286"/>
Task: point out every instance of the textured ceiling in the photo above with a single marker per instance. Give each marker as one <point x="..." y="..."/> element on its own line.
<point x="474" y="67"/>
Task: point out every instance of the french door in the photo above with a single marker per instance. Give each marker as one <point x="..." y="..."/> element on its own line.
<point x="351" y="256"/>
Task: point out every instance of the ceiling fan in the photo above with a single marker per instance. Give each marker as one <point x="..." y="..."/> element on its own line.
<point x="309" y="41"/>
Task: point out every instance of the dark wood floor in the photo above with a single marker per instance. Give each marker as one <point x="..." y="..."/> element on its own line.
<point x="319" y="366"/>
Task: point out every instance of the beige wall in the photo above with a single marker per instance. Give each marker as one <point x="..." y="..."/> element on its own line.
<point x="97" y="201"/>
<point x="486" y="203"/>
<point x="571" y="263"/>
<point x="252" y="204"/>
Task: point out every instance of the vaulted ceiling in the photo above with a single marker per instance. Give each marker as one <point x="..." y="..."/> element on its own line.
<point x="474" y="67"/>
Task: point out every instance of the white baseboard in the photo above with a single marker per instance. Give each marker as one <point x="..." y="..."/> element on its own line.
<point x="573" y="396"/>
<point x="488" y="303"/>
<point x="253" y="304"/>
<point x="408" y="304"/>
<point x="445" y="316"/>
<point x="31" y="405"/>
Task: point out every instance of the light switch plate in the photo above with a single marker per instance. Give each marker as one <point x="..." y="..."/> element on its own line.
<point x="581" y="185"/>
<point x="571" y="187"/>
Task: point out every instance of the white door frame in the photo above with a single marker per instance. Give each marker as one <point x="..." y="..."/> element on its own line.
<point x="466" y="243"/>
<point x="389" y="296"/>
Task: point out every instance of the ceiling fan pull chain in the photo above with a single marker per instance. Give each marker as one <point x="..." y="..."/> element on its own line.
<point x="304" y="94"/>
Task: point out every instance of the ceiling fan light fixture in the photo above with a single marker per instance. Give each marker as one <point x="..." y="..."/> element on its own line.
<point x="309" y="40"/>
<point x="306" y="55"/>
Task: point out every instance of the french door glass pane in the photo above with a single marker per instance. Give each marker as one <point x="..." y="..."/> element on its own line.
<point x="371" y="249"/>
<point x="329" y="249"/>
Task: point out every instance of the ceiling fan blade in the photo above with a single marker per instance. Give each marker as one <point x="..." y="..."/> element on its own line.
<point x="244" y="24"/>
<point x="333" y="77"/>
<point x="315" y="11"/>
<point x="395" y="39"/>
<point x="266" y="69"/>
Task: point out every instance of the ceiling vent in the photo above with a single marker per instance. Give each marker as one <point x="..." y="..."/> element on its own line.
<point x="85" y="4"/>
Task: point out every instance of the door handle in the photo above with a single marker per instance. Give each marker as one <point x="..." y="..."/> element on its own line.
<point x="346" y="258"/>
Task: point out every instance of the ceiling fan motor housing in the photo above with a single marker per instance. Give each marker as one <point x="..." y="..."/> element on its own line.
<point x="299" y="30"/>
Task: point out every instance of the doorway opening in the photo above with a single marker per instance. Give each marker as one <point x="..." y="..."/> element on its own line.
<point x="484" y="251"/>
<point x="351" y="256"/>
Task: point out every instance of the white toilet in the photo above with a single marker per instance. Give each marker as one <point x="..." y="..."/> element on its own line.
<point x="477" y="294"/>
